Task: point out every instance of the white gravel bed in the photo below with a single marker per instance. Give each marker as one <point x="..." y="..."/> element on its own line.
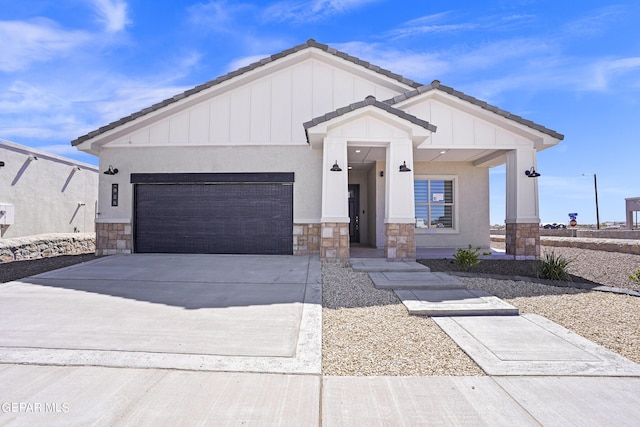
<point x="368" y="332"/>
<point x="606" y="268"/>
<point x="611" y="320"/>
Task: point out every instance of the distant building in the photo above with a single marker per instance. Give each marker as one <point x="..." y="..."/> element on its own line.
<point x="44" y="193"/>
<point x="632" y="209"/>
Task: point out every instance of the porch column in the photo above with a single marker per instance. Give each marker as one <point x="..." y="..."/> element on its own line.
<point x="400" y="243"/>
<point x="334" y="233"/>
<point x="523" y="219"/>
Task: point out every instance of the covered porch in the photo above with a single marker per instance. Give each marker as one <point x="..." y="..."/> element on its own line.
<point x="396" y="183"/>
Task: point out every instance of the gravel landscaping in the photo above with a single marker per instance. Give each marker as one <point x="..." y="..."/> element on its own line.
<point x="18" y="269"/>
<point x="367" y="331"/>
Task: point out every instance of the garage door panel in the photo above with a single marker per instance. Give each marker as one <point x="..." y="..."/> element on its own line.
<point x="214" y="218"/>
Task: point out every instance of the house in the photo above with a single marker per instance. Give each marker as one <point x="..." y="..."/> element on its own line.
<point x="313" y="150"/>
<point x="44" y="193"/>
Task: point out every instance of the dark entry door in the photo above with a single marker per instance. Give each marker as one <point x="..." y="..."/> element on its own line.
<point x="354" y="213"/>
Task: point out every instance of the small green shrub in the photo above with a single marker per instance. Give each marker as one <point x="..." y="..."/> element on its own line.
<point x="635" y="276"/>
<point x="554" y="267"/>
<point x="466" y="258"/>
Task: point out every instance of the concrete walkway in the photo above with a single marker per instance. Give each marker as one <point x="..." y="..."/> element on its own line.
<point x="539" y="375"/>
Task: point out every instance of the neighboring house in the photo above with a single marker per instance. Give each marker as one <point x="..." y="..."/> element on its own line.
<point x="312" y="150"/>
<point x="43" y="193"/>
<point x="632" y="207"/>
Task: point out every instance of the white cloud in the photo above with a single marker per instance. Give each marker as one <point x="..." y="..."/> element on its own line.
<point x="36" y="40"/>
<point x="112" y="13"/>
<point x="220" y="16"/>
<point x="311" y="11"/>
<point x="428" y="24"/>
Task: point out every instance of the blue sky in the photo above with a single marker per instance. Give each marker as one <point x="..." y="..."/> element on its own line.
<point x="70" y="66"/>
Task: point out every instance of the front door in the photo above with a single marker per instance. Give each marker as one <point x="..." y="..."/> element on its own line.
<point x="354" y="213"/>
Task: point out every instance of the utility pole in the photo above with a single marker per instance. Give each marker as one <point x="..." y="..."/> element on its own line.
<point x="595" y="187"/>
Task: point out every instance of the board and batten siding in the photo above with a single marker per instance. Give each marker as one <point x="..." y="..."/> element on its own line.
<point x="267" y="111"/>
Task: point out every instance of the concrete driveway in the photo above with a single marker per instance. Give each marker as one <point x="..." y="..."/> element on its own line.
<point x="195" y="312"/>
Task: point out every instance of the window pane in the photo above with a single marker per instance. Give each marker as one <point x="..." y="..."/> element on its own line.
<point x="420" y="190"/>
<point x="441" y="192"/>
<point x="422" y="216"/>
<point x="442" y="216"/>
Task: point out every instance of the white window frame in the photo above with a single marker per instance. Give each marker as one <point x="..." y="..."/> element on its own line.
<point x="456" y="205"/>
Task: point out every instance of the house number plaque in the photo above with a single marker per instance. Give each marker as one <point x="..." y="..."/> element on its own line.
<point x="114" y="194"/>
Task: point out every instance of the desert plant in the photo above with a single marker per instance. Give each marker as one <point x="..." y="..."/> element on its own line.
<point x="466" y="258"/>
<point x="635" y="276"/>
<point x="554" y="267"/>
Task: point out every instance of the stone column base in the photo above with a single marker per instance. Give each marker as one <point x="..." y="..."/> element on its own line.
<point x="334" y="241"/>
<point x="306" y="239"/>
<point x="400" y="242"/>
<point x="113" y="238"/>
<point x="523" y="240"/>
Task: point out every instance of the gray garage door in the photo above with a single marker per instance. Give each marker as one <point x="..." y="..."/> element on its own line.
<point x="219" y="213"/>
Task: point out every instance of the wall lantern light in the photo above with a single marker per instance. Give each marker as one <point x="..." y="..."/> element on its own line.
<point x="334" y="168"/>
<point x="404" y="168"/>
<point x="531" y="173"/>
<point x="111" y="171"/>
<point x="381" y="173"/>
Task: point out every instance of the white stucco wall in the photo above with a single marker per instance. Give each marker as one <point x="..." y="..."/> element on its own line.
<point x="304" y="162"/>
<point x="48" y="195"/>
<point x="472" y="206"/>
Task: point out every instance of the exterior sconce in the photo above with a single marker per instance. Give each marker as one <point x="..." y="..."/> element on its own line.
<point x="404" y="168"/>
<point x="111" y="171"/>
<point x="381" y="174"/>
<point x="531" y="173"/>
<point x="334" y="168"/>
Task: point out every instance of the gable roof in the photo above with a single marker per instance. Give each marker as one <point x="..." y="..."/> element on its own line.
<point x="369" y="100"/>
<point x="436" y="85"/>
<point x="311" y="43"/>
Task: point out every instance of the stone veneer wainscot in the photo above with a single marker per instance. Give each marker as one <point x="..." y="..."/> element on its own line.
<point x="113" y="238"/>
<point x="522" y="240"/>
<point x="334" y="244"/>
<point x="306" y="239"/>
<point x="400" y="242"/>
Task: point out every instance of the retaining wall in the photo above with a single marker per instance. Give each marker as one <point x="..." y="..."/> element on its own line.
<point x="587" y="233"/>
<point x="597" y="244"/>
<point x="46" y="245"/>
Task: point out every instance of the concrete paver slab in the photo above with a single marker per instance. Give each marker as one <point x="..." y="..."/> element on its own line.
<point x="104" y="396"/>
<point x="376" y="264"/>
<point x="76" y="316"/>
<point x="444" y="401"/>
<point x="577" y="401"/>
<point x="415" y="280"/>
<point x="454" y="302"/>
<point x="532" y="345"/>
